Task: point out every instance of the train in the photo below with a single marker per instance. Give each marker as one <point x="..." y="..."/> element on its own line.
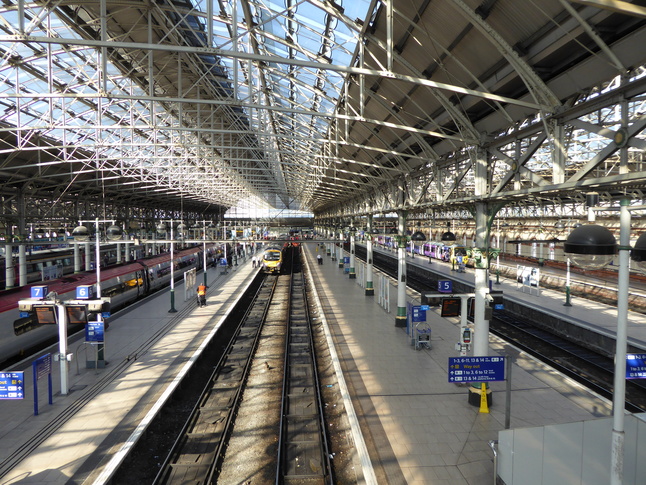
<point x="272" y="260"/>
<point x="123" y="284"/>
<point x="52" y="263"/>
<point x="450" y="253"/>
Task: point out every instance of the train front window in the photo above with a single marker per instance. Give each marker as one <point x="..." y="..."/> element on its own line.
<point x="272" y="256"/>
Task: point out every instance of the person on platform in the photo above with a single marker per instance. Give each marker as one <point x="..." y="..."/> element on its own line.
<point x="201" y="295"/>
<point x="319" y="258"/>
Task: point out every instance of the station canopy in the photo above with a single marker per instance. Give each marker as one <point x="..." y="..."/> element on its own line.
<point x="311" y="104"/>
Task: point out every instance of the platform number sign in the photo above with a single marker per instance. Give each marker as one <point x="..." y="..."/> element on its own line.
<point x="83" y="292"/>
<point x="445" y="286"/>
<point x="39" y="292"/>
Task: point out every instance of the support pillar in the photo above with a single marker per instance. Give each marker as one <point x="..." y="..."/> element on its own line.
<point x="352" y="274"/>
<point x="339" y="251"/>
<point x="370" y="290"/>
<point x="401" y="318"/>
<point x="481" y="325"/>
<point x="77" y="258"/>
<point x="9" y="272"/>
<point x="22" y="265"/>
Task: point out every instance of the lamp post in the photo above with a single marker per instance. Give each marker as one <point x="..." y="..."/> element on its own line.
<point x="353" y="231"/>
<point x="593" y="246"/>
<point x="449" y="236"/>
<point x="498" y="255"/>
<point x="161" y="227"/>
<point x="204" y="251"/>
<point x="112" y="233"/>
<point x="234" y="243"/>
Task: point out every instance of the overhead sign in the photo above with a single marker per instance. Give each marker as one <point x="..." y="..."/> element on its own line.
<point x="12" y="385"/>
<point x="45" y="314"/>
<point x="451" y="307"/>
<point x="636" y="366"/>
<point x="76" y="314"/>
<point x="476" y="369"/>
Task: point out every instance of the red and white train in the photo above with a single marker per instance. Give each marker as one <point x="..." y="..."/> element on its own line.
<point x="38" y="262"/>
<point x="123" y="284"/>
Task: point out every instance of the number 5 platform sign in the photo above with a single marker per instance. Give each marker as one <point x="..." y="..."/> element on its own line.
<point x="445" y="286"/>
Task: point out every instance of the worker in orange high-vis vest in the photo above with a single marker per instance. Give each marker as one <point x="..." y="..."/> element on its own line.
<point x="201" y="295"/>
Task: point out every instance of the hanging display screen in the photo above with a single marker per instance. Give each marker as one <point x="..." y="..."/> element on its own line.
<point x="451" y="307"/>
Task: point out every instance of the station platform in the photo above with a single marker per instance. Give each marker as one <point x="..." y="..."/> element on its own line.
<point x="589" y="314"/>
<point x="146" y="347"/>
<point x="421" y="427"/>
<point x="418" y="427"/>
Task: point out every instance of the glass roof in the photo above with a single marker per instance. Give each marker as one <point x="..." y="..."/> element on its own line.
<point x="277" y="113"/>
<point x="316" y="105"/>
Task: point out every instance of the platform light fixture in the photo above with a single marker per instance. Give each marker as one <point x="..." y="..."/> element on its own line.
<point x="638" y="254"/>
<point x="448" y="236"/>
<point x="81" y="233"/>
<point x="590" y="245"/>
<point x="418" y="236"/>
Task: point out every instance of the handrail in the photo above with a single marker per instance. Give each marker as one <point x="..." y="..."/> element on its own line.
<point x="493" y="444"/>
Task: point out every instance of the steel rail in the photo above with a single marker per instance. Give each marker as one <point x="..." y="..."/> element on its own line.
<point x="200" y="445"/>
<point x="303" y="451"/>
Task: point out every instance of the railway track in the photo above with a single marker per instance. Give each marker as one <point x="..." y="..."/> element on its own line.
<point x="197" y="453"/>
<point x="590" y="368"/>
<point x="304" y="456"/>
<point x="260" y="415"/>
